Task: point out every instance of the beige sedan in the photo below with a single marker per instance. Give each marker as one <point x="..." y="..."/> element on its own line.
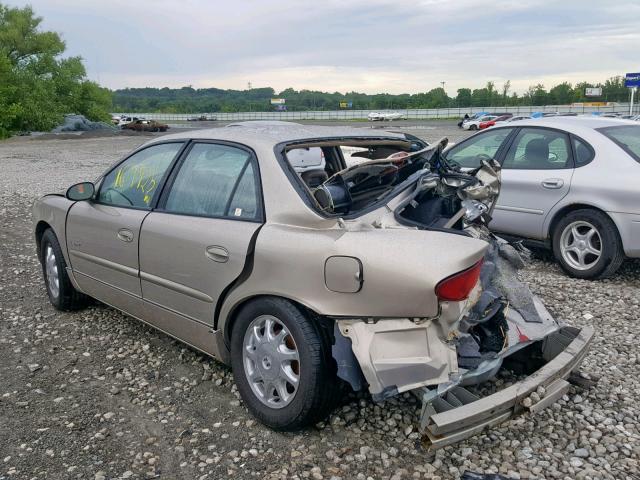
<point x="307" y="275"/>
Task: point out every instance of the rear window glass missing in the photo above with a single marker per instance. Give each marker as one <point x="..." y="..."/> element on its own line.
<point x="626" y="136"/>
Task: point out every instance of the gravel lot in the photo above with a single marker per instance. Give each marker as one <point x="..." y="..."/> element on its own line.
<point x="97" y="395"/>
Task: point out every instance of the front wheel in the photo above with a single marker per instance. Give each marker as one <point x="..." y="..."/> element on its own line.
<point x="62" y="294"/>
<point x="587" y="245"/>
<point x="282" y="364"/>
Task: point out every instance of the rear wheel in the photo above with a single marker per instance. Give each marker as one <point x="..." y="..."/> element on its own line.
<point x="282" y="364"/>
<point x="62" y="293"/>
<point x="587" y="245"/>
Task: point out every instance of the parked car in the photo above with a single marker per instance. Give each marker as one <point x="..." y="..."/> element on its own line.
<point x="508" y="120"/>
<point x="146" y="126"/>
<point x="468" y="117"/>
<point x="123" y="120"/>
<point x="475" y="124"/>
<point x="202" y="118"/>
<point x="491" y="123"/>
<point x="384" y="116"/>
<point x="569" y="184"/>
<point x="379" y="276"/>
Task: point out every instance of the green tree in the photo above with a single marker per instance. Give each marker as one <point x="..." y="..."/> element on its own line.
<point x="464" y="97"/>
<point x="37" y="85"/>
<point x="561" y="94"/>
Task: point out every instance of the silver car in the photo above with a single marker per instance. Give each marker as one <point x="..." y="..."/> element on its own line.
<point x="305" y="274"/>
<point x="569" y="184"/>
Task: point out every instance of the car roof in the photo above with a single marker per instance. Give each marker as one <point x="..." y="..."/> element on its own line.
<point x="587" y="121"/>
<point x="269" y="135"/>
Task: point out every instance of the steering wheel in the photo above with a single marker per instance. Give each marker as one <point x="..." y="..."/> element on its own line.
<point x="111" y="189"/>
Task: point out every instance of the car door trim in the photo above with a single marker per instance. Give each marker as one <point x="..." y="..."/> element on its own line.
<point x="508" y="208"/>
<point x="118" y="267"/>
<point x="176" y="287"/>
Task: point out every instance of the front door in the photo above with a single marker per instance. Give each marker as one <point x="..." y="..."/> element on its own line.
<point x="103" y="234"/>
<point x="197" y="241"/>
<point x="536" y="175"/>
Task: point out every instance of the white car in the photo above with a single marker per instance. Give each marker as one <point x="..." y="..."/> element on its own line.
<point x="475" y="124"/>
<point x="508" y="120"/>
<point x="382" y="116"/>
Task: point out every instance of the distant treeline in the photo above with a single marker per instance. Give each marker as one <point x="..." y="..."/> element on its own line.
<point x="191" y="100"/>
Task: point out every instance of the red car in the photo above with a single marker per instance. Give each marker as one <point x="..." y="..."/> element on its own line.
<point x="491" y="123"/>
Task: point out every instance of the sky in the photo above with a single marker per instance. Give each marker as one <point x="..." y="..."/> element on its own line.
<point x="370" y="46"/>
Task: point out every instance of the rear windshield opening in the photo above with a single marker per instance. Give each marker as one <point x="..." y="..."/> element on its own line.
<point x="626" y="136"/>
<point x="345" y="177"/>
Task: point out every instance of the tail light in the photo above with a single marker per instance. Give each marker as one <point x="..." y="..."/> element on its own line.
<point x="458" y="286"/>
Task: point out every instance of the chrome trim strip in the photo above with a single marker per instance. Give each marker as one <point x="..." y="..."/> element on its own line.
<point x="176" y="287"/>
<point x="519" y="209"/>
<point x="118" y="267"/>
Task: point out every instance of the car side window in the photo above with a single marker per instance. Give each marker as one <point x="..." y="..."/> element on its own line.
<point x="583" y="153"/>
<point x="539" y="149"/>
<point x="215" y="181"/>
<point x="134" y="182"/>
<point x="470" y="153"/>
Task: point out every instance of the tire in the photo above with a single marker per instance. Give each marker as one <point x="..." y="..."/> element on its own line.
<point x="473" y="127"/>
<point x="62" y="294"/>
<point x="317" y="387"/>
<point x="569" y="247"/>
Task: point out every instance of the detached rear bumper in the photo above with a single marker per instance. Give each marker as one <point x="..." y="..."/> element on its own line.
<point x="460" y="414"/>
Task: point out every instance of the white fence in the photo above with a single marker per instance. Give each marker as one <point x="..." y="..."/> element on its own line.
<point x="422" y="114"/>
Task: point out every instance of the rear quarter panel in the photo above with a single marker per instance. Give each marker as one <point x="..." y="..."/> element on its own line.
<point x="401" y="268"/>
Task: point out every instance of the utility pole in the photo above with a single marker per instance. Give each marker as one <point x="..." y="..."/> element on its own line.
<point x="442" y="83"/>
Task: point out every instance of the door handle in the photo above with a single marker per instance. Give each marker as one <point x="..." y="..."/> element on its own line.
<point x="125" y="235"/>
<point x="217" y="253"/>
<point x="553" y="183"/>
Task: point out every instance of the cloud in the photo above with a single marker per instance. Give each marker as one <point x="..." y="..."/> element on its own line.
<point x="371" y="46"/>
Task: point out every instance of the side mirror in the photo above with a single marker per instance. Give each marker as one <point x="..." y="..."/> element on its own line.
<point x="81" y="191"/>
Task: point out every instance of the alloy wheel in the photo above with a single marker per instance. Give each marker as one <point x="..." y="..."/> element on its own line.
<point x="271" y="361"/>
<point x="51" y="268"/>
<point x="581" y="245"/>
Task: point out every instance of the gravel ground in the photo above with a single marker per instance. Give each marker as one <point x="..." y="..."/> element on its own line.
<point x="97" y="395"/>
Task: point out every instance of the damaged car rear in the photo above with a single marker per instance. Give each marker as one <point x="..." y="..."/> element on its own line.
<point x="446" y="307"/>
<point x="303" y="255"/>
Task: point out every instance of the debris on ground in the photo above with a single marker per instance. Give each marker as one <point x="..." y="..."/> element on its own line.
<point x="80" y="123"/>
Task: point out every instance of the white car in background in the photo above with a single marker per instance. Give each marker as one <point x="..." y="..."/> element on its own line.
<point x="475" y="124"/>
<point x="509" y="120"/>
<point x="382" y="116"/>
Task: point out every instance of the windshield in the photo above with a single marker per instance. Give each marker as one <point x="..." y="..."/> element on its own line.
<point x="626" y="136"/>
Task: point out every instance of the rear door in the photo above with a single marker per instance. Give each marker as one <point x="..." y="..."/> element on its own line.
<point x="196" y="243"/>
<point x="536" y="174"/>
<point x="102" y="234"/>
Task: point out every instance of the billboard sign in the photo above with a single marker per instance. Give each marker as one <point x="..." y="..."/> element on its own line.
<point x="346" y="104"/>
<point x="278" y="101"/>
<point x="593" y="92"/>
<point x="632" y="80"/>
